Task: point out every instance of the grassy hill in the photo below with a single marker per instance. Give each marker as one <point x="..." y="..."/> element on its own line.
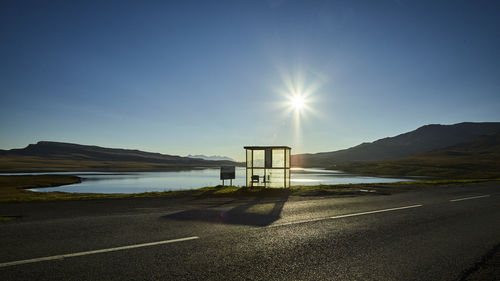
<point x="423" y="139"/>
<point x="57" y="156"/>
<point x="479" y="158"/>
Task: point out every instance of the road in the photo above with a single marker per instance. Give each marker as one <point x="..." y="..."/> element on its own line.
<point x="434" y="234"/>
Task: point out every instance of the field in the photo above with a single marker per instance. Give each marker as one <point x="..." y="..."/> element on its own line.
<point x="38" y="164"/>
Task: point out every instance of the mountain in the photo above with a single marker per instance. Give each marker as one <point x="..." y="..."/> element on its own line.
<point x="423" y="139"/>
<point x="48" y="156"/>
<point x="211" y="158"/>
<point x="479" y="158"/>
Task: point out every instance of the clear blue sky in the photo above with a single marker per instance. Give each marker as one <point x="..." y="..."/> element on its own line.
<point x="208" y="77"/>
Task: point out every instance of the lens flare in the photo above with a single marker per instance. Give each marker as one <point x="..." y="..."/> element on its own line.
<point x="297" y="102"/>
<point x="299" y="96"/>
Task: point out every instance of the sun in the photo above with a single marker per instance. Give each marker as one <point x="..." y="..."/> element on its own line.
<point x="297" y="102"/>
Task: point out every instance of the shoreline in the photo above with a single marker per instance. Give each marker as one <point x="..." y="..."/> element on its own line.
<point x="14" y="188"/>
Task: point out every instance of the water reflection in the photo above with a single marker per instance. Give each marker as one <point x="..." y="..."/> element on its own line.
<point x="136" y="182"/>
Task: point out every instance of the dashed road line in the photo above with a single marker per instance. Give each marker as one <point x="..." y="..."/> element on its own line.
<point x="347" y="215"/>
<point x="58" y="257"/>
<point x="469" y="198"/>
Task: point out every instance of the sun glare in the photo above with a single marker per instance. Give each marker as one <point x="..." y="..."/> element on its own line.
<point x="297" y="102"/>
<point x="298" y="92"/>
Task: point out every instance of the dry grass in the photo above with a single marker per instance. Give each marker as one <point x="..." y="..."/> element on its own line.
<point x="38" y="164"/>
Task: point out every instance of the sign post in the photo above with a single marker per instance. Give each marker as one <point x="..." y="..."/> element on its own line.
<point x="227" y="173"/>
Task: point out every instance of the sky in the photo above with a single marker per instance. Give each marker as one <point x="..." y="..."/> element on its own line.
<point x="209" y="77"/>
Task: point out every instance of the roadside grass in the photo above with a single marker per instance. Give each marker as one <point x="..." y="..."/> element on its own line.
<point x="6" y="218"/>
<point x="444" y="181"/>
<point x="14" y="189"/>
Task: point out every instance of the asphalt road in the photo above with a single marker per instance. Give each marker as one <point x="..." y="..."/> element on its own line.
<point x="435" y="234"/>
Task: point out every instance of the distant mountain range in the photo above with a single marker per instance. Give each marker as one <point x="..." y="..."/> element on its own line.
<point x="423" y="139"/>
<point x="211" y="158"/>
<point x="58" y="156"/>
<point x="464" y="149"/>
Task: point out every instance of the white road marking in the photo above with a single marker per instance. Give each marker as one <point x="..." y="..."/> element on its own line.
<point x="347" y="215"/>
<point x="469" y="198"/>
<point x="58" y="257"/>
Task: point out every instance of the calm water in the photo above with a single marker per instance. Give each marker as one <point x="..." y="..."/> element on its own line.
<point x="176" y="180"/>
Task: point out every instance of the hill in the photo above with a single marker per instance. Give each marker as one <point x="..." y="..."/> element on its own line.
<point x="423" y="139"/>
<point x="479" y="158"/>
<point x="58" y="156"/>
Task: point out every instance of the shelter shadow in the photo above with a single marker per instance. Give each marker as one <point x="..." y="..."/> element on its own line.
<point x="258" y="212"/>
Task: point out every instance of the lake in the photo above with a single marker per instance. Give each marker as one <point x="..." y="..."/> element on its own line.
<point x="136" y="182"/>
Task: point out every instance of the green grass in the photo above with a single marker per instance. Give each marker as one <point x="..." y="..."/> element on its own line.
<point x="13" y="189"/>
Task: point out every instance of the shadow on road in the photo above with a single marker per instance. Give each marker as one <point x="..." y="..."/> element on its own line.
<point x="258" y="212"/>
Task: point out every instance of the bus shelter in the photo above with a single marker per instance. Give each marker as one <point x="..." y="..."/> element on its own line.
<point x="268" y="166"/>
